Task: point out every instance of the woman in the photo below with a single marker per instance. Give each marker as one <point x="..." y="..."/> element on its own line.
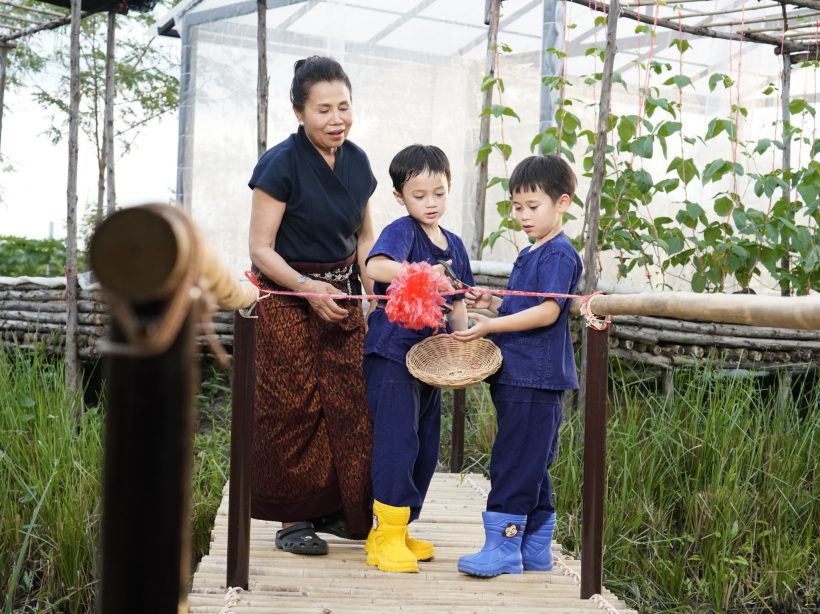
<point x="310" y="229"/>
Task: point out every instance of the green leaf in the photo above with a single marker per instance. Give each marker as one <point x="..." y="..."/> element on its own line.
<point x="643" y="180"/>
<point x="681" y="43"/>
<point x="798" y="105"/>
<point x="669" y="128"/>
<point x="626" y="128"/>
<point x="505" y="149"/>
<point x="482" y="153"/>
<point x="679" y="81"/>
<point x="642" y="146"/>
<point x="723" y="206"/>
<point x="762" y="145"/>
<point x="600" y="20"/>
<point x="716" y="78"/>
<point x="698" y="282"/>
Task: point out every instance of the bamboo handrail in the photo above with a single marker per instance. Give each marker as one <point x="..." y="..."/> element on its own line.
<point x="140" y="271"/>
<point x="801" y="312"/>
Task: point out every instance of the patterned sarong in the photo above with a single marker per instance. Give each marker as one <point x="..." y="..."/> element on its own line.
<point x="312" y="435"/>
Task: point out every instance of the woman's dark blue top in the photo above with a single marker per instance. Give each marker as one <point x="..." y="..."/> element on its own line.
<point x="324" y="206"/>
<point x="541" y="357"/>
<point x="404" y="241"/>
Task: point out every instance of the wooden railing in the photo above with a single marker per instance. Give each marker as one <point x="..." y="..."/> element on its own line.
<point x="158" y="276"/>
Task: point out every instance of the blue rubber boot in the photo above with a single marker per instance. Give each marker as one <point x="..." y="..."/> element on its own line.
<point x="502" y="547"/>
<point x="535" y="546"/>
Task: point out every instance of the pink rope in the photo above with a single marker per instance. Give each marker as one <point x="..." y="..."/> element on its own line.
<point x="592" y="320"/>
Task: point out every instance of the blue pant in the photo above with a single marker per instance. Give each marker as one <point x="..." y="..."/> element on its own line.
<point x="524" y="448"/>
<point x="406" y="432"/>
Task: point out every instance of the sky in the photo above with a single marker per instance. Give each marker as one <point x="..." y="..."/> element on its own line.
<point x="34" y="171"/>
<point x="33" y="200"/>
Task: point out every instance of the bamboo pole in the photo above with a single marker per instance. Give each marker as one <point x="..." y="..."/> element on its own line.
<point x="801" y="312"/>
<point x="261" y="78"/>
<point x="108" y="127"/>
<point x="673" y="24"/>
<point x="4" y="59"/>
<point x="484" y="131"/>
<point x="139" y="271"/>
<point x="71" y="359"/>
<point x="592" y="206"/>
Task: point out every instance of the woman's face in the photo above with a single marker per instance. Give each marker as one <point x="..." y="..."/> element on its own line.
<point x="328" y="114"/>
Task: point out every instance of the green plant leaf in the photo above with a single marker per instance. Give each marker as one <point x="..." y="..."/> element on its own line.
<point x="642" y="146"/>
<point x="679" y="81"/>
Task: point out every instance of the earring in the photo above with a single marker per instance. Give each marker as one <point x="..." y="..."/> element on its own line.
<point x="301" y="123"/>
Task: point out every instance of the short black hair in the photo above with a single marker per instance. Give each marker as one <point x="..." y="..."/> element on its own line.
<point x="314" y="69"/>
<point x="550" y="174"/>
<point x="415" y="160"/>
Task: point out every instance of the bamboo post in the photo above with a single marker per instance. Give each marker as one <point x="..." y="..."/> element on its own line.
<point x="239" y="495"/>
<point x="4" y="59"/>
<point x="457" y="435"/>
<point x="785" y="95"/>
<point x="108" y="126"/>
<point x="155" y="270"/>
<point x="594" y="483"/>
<point x="592" y="206"/>
<point x="493" y="14"/>
<point x="261" y="78"/>
<point x="72" y="362"/>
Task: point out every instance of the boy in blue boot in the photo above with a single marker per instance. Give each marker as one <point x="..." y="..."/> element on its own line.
<point x="406" y="412"/>
<point x="534" y="337"/>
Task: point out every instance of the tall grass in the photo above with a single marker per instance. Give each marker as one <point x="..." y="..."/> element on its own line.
<point x="50" y="477"/>
<point x="713" y="498"/>
<point x="50" y="480"/>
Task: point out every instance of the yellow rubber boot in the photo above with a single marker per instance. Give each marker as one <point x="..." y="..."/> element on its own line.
<point x="421" y="549"/>
<point x="389" y="550"/>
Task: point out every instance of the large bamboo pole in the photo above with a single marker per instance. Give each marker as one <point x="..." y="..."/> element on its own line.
<point x="72" y="360"/>
<point x="484" y="131"/>
<point x="753" y="309"/>
<point x="143" y="254"/>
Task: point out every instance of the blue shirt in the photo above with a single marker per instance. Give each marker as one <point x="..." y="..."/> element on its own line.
<point x="541" y="357"/>
<point x="404" y="241"/>
<point x="324" y="206"/>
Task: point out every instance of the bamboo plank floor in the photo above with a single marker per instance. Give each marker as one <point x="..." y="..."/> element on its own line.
<point x="342" y="582"/>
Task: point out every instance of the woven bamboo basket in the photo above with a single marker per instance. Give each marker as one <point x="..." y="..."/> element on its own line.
<point x="445" y="362"/>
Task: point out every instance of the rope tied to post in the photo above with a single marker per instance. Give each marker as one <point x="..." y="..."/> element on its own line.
<point x="426" y="294"/>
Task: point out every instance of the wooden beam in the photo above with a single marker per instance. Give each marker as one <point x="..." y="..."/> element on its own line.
<point x="51" y="25"/>
<point x="786" y="45"/>
<point x="801" y="312"/>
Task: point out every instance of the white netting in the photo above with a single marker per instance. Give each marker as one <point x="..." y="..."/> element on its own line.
<point x="416" y="67"/>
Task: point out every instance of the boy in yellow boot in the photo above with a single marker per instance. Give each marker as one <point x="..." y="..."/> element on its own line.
<point x="406" y="412"/>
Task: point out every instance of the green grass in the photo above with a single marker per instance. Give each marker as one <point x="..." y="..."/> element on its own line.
<point x="712" y="501"/>
<point x="50" y="472"/>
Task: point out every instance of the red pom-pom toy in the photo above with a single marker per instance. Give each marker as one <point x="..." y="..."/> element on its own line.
<point x="414" y="300"/>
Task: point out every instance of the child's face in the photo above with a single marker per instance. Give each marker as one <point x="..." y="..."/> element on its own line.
<point x="539" y="215"/>
<point x="425" y="197"/>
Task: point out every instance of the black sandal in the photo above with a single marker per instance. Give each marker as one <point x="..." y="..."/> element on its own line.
<point x="335" y="524"/>
<point x="300" y="538"/>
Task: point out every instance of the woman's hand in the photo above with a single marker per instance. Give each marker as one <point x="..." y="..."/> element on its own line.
<point x="327" y="308"/>
<point x="481" y="328"/>
<point x="474" y="300"/>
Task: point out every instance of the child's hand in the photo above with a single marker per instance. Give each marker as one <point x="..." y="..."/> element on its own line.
<point x="475" y="300"/>
<point x="481" y="328"/>
<point x="444" y="286"/>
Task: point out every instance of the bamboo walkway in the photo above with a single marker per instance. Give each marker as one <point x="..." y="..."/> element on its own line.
<point x="343" y="583"/>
